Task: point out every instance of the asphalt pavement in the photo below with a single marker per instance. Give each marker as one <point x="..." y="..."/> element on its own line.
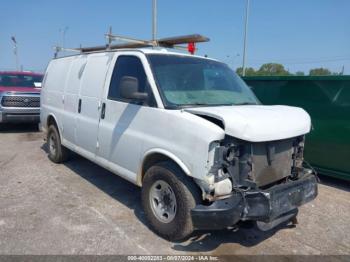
<point x="80" y="208"/>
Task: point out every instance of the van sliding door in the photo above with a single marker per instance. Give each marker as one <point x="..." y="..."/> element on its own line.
<point x="71" y="97"/>
<point x="91" y="89"/>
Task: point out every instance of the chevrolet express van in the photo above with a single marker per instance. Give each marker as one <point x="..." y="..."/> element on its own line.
<point x="184" y="128"/>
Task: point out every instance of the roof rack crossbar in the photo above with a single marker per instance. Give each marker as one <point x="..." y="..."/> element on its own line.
<point x="126" y="39"/>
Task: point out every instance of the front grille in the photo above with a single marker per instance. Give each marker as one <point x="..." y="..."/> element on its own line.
<point x="272" y="161"/>
<point x="20" y="101"/>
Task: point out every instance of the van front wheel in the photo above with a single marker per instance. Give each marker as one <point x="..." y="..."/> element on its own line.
<point x="168" y="196"/>
<point x="57" y="152"/>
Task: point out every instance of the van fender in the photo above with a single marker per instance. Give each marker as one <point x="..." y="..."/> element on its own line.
<point x="46" y="126"/>
<point x="165" y="153"/>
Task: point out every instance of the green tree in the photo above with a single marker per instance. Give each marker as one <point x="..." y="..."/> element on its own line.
<point x="272" y="69"/>
<point x="320" y="72"/>
<point x="249" y="71"/>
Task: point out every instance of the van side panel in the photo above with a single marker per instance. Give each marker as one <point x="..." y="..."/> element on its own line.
<point x="52" y="97"/>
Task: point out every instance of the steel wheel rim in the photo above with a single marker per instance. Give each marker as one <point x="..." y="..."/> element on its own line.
<point x="163" y="201"/>
<point x="52" y="145"/>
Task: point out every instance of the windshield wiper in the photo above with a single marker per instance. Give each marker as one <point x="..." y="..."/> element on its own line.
<point x="245" y="103"/>
<point x="199" y="104"/>
<point x="206" y="104"/>
<point x="238" y="104"/>
<point x="195" y="104"/>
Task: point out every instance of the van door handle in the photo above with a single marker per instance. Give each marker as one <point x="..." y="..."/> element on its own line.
<point x="103" y="110"/>
<point x="79" y="106"/>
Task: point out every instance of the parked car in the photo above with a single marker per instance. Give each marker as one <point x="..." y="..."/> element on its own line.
<point x="20" y="97"/>
<point x="187" y="130"/>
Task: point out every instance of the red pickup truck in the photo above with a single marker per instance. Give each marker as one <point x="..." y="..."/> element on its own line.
<point x="20" y="96"/>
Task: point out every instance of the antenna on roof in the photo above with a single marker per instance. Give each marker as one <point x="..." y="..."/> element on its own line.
<point x="109" y="40"/>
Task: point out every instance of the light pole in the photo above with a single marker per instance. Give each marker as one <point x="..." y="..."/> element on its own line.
<point x="15" y="51"/>
<point x="245" y="37"/>
<point x="154" y="20"/>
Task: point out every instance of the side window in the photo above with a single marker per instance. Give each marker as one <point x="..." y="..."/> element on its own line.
<point x="129" y="66"/>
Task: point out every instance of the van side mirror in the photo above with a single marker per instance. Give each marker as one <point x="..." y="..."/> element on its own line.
<point x="129" y="87"/>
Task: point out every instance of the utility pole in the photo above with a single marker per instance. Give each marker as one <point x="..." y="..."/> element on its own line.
<point x="154" y="20"/>
<point x="15" y="51"/>
<point x="245" y="36"/>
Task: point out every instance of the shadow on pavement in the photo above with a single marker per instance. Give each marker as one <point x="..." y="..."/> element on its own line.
<point x="130" y="196"/>
<point x="18" y="128"/>
<point x="335" y="182"/>
<point x="120" y="189"/>
<point x="248" y="236"/>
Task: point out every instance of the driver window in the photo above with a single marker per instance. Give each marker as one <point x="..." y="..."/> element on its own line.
<point x="129" y="66"/>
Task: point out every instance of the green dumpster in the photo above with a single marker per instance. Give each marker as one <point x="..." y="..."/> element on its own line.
<point x="327" y="100"/>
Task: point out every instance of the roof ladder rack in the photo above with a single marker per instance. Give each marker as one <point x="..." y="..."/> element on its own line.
<point x="170" y="42"/>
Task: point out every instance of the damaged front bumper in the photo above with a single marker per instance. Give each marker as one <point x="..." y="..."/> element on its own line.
<point x="265" y="206"/>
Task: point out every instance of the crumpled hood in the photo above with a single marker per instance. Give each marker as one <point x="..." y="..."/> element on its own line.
<point x="258" y="123"/>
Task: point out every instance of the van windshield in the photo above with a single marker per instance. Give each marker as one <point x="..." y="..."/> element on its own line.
<point x="185" y="81"/>
<point x="20" y="80"/>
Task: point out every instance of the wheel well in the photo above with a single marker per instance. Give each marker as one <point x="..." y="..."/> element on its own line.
<point x="155" y="158"/>
<point x="51" y="121"/>
<point x="152" y="160"/>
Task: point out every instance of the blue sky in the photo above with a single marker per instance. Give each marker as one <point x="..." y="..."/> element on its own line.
<point x="301" y="34"/>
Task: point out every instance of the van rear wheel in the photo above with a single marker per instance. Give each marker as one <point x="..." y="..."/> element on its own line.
<point x="57" y="152"/>
<point x="168" y="196"/>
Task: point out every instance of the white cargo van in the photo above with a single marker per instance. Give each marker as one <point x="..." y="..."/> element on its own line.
<point x="187" y="130"/>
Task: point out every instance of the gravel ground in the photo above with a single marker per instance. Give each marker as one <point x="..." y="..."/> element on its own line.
<point x="80" y="208"/>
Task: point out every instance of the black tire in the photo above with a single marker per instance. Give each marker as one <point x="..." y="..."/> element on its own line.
<point x="187" y="195"/>
<point x="57" y="152"/>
